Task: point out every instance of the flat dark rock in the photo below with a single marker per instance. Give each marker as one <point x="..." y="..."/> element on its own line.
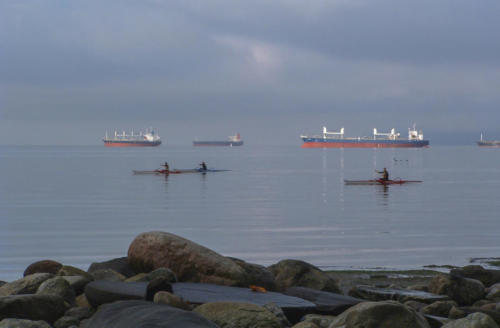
<point x="142" y="314"/>
<point x="326" y="302"/>
<point x="402" y="295"/>
<point x="102" y="291"/>
<point x="195" y="293"/>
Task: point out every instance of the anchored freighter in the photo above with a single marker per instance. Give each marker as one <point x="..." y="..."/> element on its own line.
<point x="488" y="143"/>
<point x="231" y="141"/>
<point x="147" y="139"/>
<point x="380" y="140"/>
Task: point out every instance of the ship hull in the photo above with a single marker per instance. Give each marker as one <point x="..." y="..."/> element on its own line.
<point x="218" y="143"/>
<point x="115" y="143"/>
<point x="494" y="143"/>
<point x="362" y="143"/>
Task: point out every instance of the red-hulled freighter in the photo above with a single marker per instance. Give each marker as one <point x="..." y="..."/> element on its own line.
<point x="147" y="139"/>
<point x="379" y="140"/>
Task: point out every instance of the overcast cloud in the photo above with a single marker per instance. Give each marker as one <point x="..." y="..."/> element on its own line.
<point x="69" y="70"/>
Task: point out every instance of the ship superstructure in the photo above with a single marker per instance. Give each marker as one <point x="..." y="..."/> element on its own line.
<point x="391" y="139"/>
<point x="147" y="138"/>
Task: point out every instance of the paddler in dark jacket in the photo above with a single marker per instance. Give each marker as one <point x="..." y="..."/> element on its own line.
<point x="385" y="174"/>
<point x="203" y="166"/>
<point x="167" y="168"/>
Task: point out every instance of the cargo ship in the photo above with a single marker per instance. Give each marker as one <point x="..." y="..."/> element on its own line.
<point x="379" y="140"/>
<point x="488" y="143"/>
<point x="231" y="141"/>
<point x="147" y="139"/>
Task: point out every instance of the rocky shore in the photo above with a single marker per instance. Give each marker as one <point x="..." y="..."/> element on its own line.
<point x="169" y="281"/>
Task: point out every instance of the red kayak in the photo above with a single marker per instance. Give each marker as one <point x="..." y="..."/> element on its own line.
<point x="379" y="182"/>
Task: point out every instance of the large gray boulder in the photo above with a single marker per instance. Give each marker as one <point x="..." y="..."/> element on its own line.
<point x="33" y="307"/>
<point x="57" y="286"/>
<point x="241" y="315"/>
<point x="189" y="261"/>
<point x="464" y="291"/>
<point x="474" y="320"/>
<point x="26" y="285"/>
<point x="295" y="273"/>
<point x="23" y="323"/>
<point x="141" y="314"/>
<point x="386" y="314"/>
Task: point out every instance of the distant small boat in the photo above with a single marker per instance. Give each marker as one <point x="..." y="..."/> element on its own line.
<point x="231" y="141"/>
<point x="488" y="143"/>
<point x="379" y="182"/>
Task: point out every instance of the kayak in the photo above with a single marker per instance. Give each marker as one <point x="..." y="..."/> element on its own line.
<point x="178" y="171"/>
<point x="379" y="182"/>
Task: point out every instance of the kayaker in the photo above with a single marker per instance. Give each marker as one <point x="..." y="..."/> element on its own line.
<point x="385" y="174"/>
<point x="203" y="166"/>
<point x="167" y="168"/>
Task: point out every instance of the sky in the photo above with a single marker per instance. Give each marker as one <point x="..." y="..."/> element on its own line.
<point x="268" y="69"/>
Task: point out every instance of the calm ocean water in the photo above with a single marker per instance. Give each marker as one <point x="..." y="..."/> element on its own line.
<point x="82" y="204"/>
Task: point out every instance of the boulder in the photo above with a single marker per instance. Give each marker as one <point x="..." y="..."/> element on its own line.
<point x="168" y="298"/>
<point x="278" y="312"/>
<point x="402" y="295"/>
<point x="107" y="274"/>
<point x="474" y="320"/>
<point x="464" y="291"/>
<point x="33" y="307"/>
<point x="79" y="312"/>
<point x="241" y="315"/>
<point x="78" y="283"/>
<point x="57" y="286"/>
<point x="415" y="305"/>
<point x="493" y="292"/>
<point x="66" y="322"/>
<point x="2" y="283"/>
<point x="163" y="273"/>
<point x="439" y="308"/>
<point x="260" y="275"/>
<point x="68" y="270"/>
<point x="305" y="324"/>
<point x="119" y="265"/>
<point x="141" y="314"/>
<point x="26" y="285"/>
<point x="102" y="291"/>
<point x="435" y="321"/>
<point x="188" y="260"/>
<point x="495" y="315"/>
<point x="294" y="273"/>
<point x="23" y="323"/>
<point x="44" y="266"/>
<point x="385" y="314"/>
<point x="487" y="276"/>
<point x="320" y="321"/>
<point x="157" y="285"/>
<point x="326" y="302"/>
<point x="140" y="277"/>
